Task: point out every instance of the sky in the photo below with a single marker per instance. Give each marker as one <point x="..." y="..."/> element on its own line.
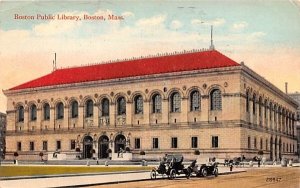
<point x="265" y="35"/>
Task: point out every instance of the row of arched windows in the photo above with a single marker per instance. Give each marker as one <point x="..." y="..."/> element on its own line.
<point x="266" y="105"/>
<point x="156" y="100"/>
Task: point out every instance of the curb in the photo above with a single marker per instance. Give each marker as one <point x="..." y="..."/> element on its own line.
<point x="67" y="175"/>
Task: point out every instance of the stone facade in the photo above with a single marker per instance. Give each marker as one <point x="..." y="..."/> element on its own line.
<point x="296" y="97"/>
<point x="266" y="122"/>
<point x="2" y="134"/>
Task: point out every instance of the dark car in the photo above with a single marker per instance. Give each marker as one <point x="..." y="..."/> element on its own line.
<point x="170" y="166"/>
<point x="203" y="169"/>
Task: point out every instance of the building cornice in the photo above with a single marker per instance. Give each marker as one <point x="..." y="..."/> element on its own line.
<point x="246" y="71"/>
<point x="128" y="80"/>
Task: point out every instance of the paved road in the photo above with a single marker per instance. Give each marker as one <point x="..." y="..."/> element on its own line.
<point x="274" y="177"/>
<point x="83" y="179"/>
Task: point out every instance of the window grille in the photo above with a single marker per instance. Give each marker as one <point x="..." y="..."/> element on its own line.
<point x="216" y="100"/>
<point x="138" y="104"/>
<point x="74" y="109"/>
<point x="175" y="102"/>
<point x="195" y="101"/>
<point x="105" y="107"/>
<point x="156" y="101"/>
<point x="121" y="106"/>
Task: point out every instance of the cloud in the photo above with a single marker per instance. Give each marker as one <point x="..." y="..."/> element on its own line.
<point x="127" y="14"/>
<point x="175" y="24"/>
<point x="239" y="26"/>
<point x="151" y="22"/>
<point x="215" y="22"/>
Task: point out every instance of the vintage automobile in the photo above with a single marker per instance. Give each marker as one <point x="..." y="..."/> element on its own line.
<point x="203" y="169"/>
<point x="171" y="166"/>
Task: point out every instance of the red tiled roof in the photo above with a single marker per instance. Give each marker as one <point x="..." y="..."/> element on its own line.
<point x="131" y="68"/>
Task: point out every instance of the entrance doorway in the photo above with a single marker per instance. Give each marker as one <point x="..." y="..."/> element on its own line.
<point x="103" y="145"/>
<point x="87" y="147"/>
<point x="120" y="143"/>
<point x="271" y="149"/>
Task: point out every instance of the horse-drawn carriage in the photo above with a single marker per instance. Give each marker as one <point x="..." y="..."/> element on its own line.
<point x="171" y="166"/>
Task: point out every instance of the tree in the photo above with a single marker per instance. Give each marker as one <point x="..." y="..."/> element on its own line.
<point x="142" y="153"/>
<point x="16" y="154"/>
<point x="260" y="152"/>
<point x="41" y="154"/>
<point x="127" y="149"/>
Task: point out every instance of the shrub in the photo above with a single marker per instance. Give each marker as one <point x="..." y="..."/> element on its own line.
<point x="127" y="149"/>
<point x="16" y="154"/>
<point x="197" y="152"/>
<point x="260" y="152"/>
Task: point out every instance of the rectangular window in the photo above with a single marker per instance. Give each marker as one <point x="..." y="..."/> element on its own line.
<point x="174" y="142"/>
<point x="137" y="143"/>
<point x="58" y="145"/>
<point x="31" y="146"/>
<point x="255" y="145"/>
<point x="283" y="147"/>
<point x="19" y="146"/>
<point x="155" y="143"/>
<point x="266" y="144"/>
<point x="194" y="142"/>
<point x="73" y="144"/>
<point x="45" y="145"/>
<point x="214" y="142"/>
<point x="261" y="144"/>
<point x="249" y="142"/>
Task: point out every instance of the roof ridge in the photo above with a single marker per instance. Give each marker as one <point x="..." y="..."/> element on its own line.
<point x="149" y="56"/>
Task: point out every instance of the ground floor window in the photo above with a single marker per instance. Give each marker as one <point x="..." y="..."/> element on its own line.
<point x="19" y="146"/>
<point x="215" y="141"/>
<point x="31" y="146"/>
<point x="73" y="144"/>
<point x="249" y="142"/>
<point x="174" y="142"/>
<point x="45" y="145"/>
<point x="155" y="143"/>
<point x="194" y="142"/>
<point x="137" y="143"/>
<point x="58" y="145"/>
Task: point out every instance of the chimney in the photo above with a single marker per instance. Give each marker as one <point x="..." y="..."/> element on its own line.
<point x="286" y="87"/>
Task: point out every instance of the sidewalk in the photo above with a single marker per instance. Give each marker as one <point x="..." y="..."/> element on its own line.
<point x="76" y="180"/>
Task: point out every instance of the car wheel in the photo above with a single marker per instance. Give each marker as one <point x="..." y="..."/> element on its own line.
<point x="153" y="174"/>
<point x="216" y="172"/>
<point x="204" y="172"/>
<point x="188" y="173"/>
<point x="172" y="174"/>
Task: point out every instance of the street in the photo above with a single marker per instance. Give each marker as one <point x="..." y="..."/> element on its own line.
<point x="273" y="177"/>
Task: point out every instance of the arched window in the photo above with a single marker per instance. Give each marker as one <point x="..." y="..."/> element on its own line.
<point x="275" y="111"/>
<point x="21" y="114"/>
<point x="175" y="102"/>
<point x="46" y="109"/>
<point x="74" y="109"/>
<point x="271" y="107"/>
<point x="138" y="104"/>
<point x="254" y="104"/>
<point x="156" y="102"/>
<point x="266" y="107"/>
<point x="33" y="112"/>
<point x="195" y="101"/>
<point x="89" y="108"/>
<point x="121" y="106"/>
<point x="60" y="111"/>
<point x="215" y="100"/>
<point x="259" y="106"/>
<point x="247" y="101"/>
<point x="105" y="107"/>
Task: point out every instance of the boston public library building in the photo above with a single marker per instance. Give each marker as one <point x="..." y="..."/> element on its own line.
<point x="170" y="103"/>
